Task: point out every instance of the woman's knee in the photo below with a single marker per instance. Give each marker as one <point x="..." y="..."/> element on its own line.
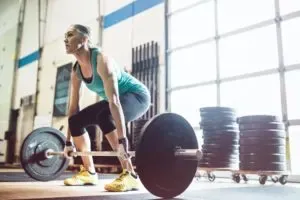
<point x="75" y="125"/>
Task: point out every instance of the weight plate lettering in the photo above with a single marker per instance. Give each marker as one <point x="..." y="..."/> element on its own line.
<point x="155" y="161"/>
<point x="32" y="154"/>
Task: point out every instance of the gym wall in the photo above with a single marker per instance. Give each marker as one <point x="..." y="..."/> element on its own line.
<point x="8" y="30"/>
<point x="117" y="26"/>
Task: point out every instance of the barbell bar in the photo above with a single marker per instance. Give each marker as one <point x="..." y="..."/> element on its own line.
<point x="166" y="157"/>
<point x="195" y="154"/>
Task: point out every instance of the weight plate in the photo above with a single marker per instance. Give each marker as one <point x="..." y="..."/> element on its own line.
<point x="217" y="133"/>
<point x="272" y="166"/>
<point x="221" y="155"/>
<point x="262" y="141"/>
<point x="219" y="159"/>
<point x="219" y="165"/>
<point x="215" y="127"/>
<point x="253" y="126"/>
<point x="263" y="133"/>
<point x="220" y="146"/>
<point x="222" y="141"/>
<point x="220" y="152"/>
<point x="262" y="157"/>
<point x="217" y="109"/>
<point x="258" y="119"/>
<point x="156" y="165"/>
<point x="32" y="154"/>
<point x="268" y="149"/>
<point x="221" y="121"/>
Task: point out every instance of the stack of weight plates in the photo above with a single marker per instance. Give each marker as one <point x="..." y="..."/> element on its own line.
<point x="137" y="126"/>
<point x="262" y="143"/>
<point x="220" y="138"/>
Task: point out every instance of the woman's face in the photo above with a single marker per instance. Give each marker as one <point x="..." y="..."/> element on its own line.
<point x="73" y="40"/>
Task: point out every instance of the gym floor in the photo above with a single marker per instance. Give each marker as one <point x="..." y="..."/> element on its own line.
<point x="14" y="184"/>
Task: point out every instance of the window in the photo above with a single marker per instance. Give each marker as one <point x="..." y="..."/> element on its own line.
<point x="288" y="6"/>
<point x="187" y="102"/>
<point x="294" y="149"/>
<point x="292" y="93"/>
<point x="192" y="25"/>
<point x="234" y="14"/>
<point x="193" y="65"/>
<point x="291" y="41"/>
<point x="259" y="95"/>
<point x="178" y="4"/>
<point x="247" y="52"/>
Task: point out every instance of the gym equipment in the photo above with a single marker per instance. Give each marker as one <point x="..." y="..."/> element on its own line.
<point x="220" y="137"/>
<point x="262" y="142"/>
<point x="166" y="158"/>
<point x="33" y="156"/>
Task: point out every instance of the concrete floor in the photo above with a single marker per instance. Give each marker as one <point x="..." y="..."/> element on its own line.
<point x="199" y="189"/>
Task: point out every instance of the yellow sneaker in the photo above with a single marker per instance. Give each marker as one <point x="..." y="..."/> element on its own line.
<point x="82" y="178"/>
<point x="125" y="182"/>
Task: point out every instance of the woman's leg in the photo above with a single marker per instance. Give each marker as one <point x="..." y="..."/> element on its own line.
<point x="81" y="139"/>
<point x="113" y="140"/>
<point x="83" y="143"/>
<point x="134" y="106"/>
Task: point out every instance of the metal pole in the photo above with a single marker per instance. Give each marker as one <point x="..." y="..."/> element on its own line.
<point x="183" y="153"/>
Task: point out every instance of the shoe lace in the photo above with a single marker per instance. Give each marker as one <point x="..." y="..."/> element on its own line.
<point x="122" y="175"/>
<point x="82" y="169"/>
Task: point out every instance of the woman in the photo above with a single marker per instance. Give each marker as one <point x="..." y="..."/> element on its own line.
<point x="124" y="99"/>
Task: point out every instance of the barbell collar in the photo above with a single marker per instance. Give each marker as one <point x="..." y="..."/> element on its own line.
<point x="190" y="154"/>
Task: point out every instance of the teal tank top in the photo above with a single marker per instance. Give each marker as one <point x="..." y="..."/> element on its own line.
<point x="126" y="82"/>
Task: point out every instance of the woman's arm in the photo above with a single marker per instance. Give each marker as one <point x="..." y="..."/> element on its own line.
<point x="74" y="98"/>
<point x="110" y="83"/>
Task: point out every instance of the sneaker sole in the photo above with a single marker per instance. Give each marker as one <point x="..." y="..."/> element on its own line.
<point x="108" y="189"/>
<point x="84" y="184"/>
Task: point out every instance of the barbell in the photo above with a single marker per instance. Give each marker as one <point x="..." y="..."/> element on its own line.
<point x="166" y="157"/>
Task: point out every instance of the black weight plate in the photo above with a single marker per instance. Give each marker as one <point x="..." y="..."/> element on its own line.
<point x="220" y="151"/>
<point x="268" y="149"/>
<point x="219" y="159"/>
<point x="262" y="141"/>
<point x="272" y="166"/>
<point x="219" y="156"/>
<point x="218" y="127"/>
<point x="226" y="136"/>
<point x="263" y="133"/>
<point x="261" y="157"/>
<point x="32" y="154"/>
<point x="219" y="122"/>
<point x="217" y="133"/>
<point x="254" y="126"/>
<point x="155" y="161"/>
<point x="217" y="109"/>
<point x="223" y="141"/>
<point x="219" y="165"/>
<point x="220" y="146"/>
<point x="258" y="119"/>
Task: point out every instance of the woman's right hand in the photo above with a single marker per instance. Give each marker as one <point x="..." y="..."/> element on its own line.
<point x="69" y="148"/>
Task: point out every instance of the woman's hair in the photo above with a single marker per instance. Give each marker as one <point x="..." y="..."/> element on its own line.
<point x="85" y="31"/>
